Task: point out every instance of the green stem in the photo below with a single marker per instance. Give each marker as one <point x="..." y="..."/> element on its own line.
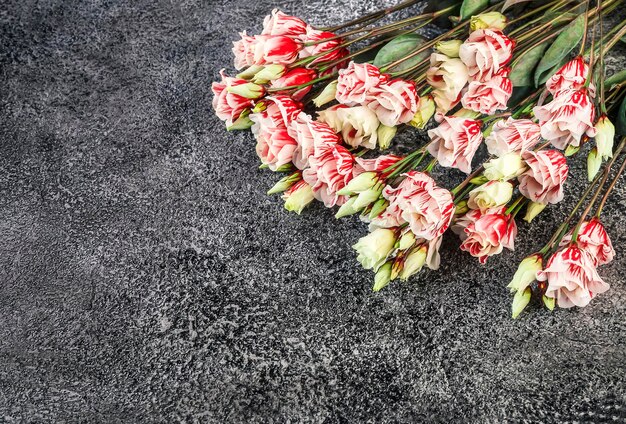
<point x="610" y="189"/>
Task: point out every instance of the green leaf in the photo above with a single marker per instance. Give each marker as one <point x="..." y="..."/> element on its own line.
<point x="560" y="49"/>
<point x="522" y="69"/>
<point x="471" y="7"/>
<point x="620" y="127"/>
<point x="615" y="79"/>
<point x="510" y="3"/>
<point x="401" y="47"/>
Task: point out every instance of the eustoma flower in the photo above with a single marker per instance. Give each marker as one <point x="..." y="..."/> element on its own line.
<point x="394" y="102"/>
<point x="455" y="141"/>
<point x="593" y="239"/>
<point x="447" y="76"/>
<point x="486" y="233"/>
<point x="489" y="96"/>
<point x="330" y="169"/>
<point x="485" y="52"/>
<point x="418" y="201"/>
<point x="325" y="51"/>
<point x="279" y="23"/>
<point x="543" y="181"/>
<point x="229" y="106"/>
<point x="355" y="83"/>
<point x="572" y="277"/>
<point x="512" y="135"/>
<point x="296" y="77"/>
<point x="308" y="135"/>
<point x="567" y="118"/>
<point x="572" y="76"/>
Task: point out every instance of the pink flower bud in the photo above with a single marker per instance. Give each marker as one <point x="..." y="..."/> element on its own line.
<point x="329" y="47"/>
<point x="512" y="135"/>
<point x="571" y="76"/>
<point x="593" y="239"/>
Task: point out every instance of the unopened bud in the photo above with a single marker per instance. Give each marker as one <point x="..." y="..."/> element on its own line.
<point x="594" y="162"/>
<point x="360" y="183"/>
<point x="327" y="95"/>
<point x="367" y="197"/>
<point x="347" y="208"/>
<point x="269" y="73"/>
<point x="520" y="301"/>
<point x="450" y="47"/>
<point x="466" y="113"/>
<point x="425" y="111"/>
<point x="532" y="210"/>
<point x="549" y="302"/>
<point x="250" y="72"/>
<point x="571" y="150"/>
<point x="298" y="197"/>
<point x="285" y="183"/>
<point x="383" y="277"/>
<point x="414" y="262"/>
<point x="385" y="135"/>
<point x="479" y="180"/>
<point x="378" y="208"/>
<point x="605" y="136"/>
<point x="248" y="90"/>
<point x="526" y="272"/>
<point x="461" y="208"/>
<point x="242" y="123"/>
<point x="488" y="20"/>
<point x="407" y="240"/>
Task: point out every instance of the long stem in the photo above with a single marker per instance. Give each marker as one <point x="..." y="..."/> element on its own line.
<point x="584" y="41"/>
<point x="605" y="176"/>
<point x="373" y="16"/>
<point x="610" y="189"/>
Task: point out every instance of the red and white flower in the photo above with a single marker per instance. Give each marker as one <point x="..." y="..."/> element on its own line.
<point x="309" y="134"/>
<point x="567" y="118"/>
<point x="485" y="52"/>
<point x="572" y="76"/>
<point x="486" y="233"/>
<point x="275" y="147"/>
<point x="355" y="83"/>
<point x="543" y="181"/>
<point x="228" y="106"/>
<point x="295" y="77"/>
<point x="330" y="169"/>
<point x="448" y="76"/>
<point x="489" y="96"/>
<point x="455" y="141"/>
<point x="278" y="49"/>
<point x="247" y="51"/>
<point x="572" y="277"/>
<point x="379" y="164"/>
<point x="394" y="102"/>
<point x="418" y="201"/>
<point x="358" y="125"/>
<point x="513" y="135"/>
<point x="593" y="239"/>
<point x="279" y="23"/>
<point x="330" y="47"/>
<point x="281" y="109"/>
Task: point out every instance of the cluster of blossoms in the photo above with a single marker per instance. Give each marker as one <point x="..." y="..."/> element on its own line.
<point x="271" y="61"/>
<point x="324" y="152"/>
<point x="371" y="106"/>
<point x="473" y="72"/>
<point x="569" y="277"/>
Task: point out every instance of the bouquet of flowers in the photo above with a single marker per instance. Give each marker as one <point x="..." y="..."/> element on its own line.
<point x="525" y="79"/>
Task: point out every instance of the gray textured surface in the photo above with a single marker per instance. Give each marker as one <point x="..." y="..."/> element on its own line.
<point x="146" y="277"/>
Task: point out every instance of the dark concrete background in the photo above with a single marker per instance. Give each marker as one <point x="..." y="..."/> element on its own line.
<point x="146" y="277"/>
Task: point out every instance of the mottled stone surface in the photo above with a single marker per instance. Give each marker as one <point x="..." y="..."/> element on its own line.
<point x="146" y="277"/>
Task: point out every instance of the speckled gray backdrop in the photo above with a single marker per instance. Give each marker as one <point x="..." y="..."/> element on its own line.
<point x="146" y="277"/>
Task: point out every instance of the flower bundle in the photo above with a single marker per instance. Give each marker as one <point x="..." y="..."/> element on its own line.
<point x="322" y="110"/>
